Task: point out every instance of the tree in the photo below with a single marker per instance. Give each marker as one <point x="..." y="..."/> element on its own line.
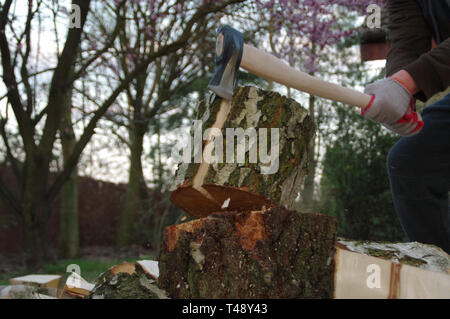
<point x="159" y="98"/>
<point x="305" y="33"/>
<point x="161" y="88"/>
<point x="149" y="96"/>
<point x="69" y="232"/>
<point x="34" y="205"/>
<point x="38" y="125"/>
<point x="354" y="183"/>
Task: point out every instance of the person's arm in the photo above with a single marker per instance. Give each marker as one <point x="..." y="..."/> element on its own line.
<point x="411" y="60"/>
<point x="431" y="71"/>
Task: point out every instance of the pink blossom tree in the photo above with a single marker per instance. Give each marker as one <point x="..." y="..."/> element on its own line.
<point x="305" y="33"/>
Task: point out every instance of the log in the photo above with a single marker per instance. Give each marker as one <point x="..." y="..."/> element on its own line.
<point x="400" y="271"/>
<point x="42" y="281"/>
<point x="128" y="281"/>
<point x="424" y="256"/>
<point x="210" y="184"/>
<point x="272" y="253"/>
<point x="29" y="292"/>
<point x="77" y="286"/>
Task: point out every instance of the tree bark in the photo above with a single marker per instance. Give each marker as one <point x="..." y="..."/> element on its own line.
<point x="134" y="201"/>
<point x="69" y="231"/>
<point x="35" y="230"/>
<point x="242" y="183"/>
<point x="308" y="190"/>
<point x="127" y="281"/>
<point x="69" y="224"/>
<point x="252" y="254"/>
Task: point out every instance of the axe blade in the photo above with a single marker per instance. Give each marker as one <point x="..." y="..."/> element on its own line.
<point x="229" y="49"/>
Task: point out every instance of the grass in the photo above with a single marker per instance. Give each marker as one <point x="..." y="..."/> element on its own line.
<point x="90" y="269"/>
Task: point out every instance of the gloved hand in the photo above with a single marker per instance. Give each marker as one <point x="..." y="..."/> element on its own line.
<point x="410" y="124"/>
<point x="393" y="106"/>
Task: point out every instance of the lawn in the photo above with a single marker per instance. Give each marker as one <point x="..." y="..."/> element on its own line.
<point x="90" y="268"/>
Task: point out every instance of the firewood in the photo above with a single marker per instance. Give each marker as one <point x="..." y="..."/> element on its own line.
<point x="129" y="281"/>
<point x="274" y="253"/>
<point x="125" y="267"/>
<point x="43" y="281"/>
<point x="250" y="180"/>
<point x="29" y="292"/>
<point x="77" y="286"/>
<point x="361" y="276"/>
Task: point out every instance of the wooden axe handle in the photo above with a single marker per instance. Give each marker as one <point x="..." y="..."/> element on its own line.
<point x="271" y="68"/>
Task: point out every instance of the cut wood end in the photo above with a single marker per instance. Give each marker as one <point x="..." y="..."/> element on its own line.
<point x="195" y="203"/>
<point x="250" y="228"/>
<point x="125" y="267"/>
<point x="150" y="267"/>
<point x="173" y="231"/>
<point x="249" y="225"/>
<point x="47" y="281"/>
<point x="205" y="193"/>
<point x="77" y="286"/>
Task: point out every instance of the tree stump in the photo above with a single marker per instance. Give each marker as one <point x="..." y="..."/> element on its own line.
<point x="266" y="165"/>
<point x="273" y="253"/>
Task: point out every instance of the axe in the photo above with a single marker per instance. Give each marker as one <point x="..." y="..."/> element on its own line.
<point x="232" y="53"/>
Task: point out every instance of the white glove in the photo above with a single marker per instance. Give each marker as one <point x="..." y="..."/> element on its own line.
<point x="393" y="106"/>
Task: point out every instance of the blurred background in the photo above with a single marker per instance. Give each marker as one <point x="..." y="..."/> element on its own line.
<point x="92" y="92"/>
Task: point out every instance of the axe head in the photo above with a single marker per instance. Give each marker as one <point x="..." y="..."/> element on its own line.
<point x="229" y="48"/>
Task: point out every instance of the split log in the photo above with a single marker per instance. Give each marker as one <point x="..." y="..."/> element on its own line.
<point x="129" y="281"/>
<point x="424" y="256"/>
<point x="29" y="292"/>
<point x="271" y="172"/>
<point x="274" y="253"/>
<point x="77" y="286"/>
<point x="42" y="281"/>
<point x="394" y="273"/>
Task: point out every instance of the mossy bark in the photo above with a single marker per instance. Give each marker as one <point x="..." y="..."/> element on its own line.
<point x="69" y="225"/>
<point x="135" y="284"/>
<point x="250" y="185"/>
<point x="135" y="196"/>
<point x="428" y="257"/>
<point x="274" y="253"/>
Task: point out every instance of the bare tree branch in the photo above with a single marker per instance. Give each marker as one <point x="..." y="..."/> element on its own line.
<point x="59" y="85"/>
<point x="23" y="69"/>
<point x="9" y="155"/>
<point x="186" y="36"/>
<point x="106" y="47"/>
<point x="9" y="78"/>
<point x="9" y="199"/>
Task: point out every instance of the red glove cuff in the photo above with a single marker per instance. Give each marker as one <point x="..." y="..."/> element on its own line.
<point x="364" y="110"/>
<point x="412" y="116"/>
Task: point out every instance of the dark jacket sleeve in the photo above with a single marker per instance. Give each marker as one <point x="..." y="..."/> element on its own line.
<point x="410" y="38"/>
